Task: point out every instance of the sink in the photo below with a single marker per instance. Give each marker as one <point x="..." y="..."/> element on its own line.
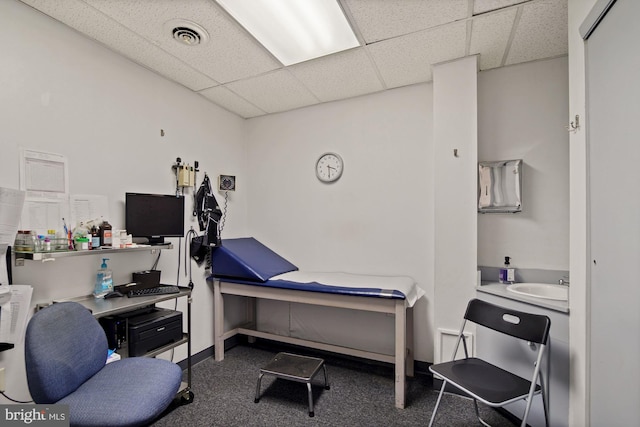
<point x="541" y="290"/>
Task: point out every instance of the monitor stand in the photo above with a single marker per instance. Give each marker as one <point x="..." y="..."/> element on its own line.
<point x="155" y="241"/>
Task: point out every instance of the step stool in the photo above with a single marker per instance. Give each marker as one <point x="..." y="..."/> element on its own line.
<point x="295" y="368"/>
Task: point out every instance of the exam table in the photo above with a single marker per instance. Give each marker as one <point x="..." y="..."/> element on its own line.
<point x="246" y="267"/>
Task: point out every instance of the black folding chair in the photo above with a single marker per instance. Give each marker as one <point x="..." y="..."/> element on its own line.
<point x="486" y="382"/>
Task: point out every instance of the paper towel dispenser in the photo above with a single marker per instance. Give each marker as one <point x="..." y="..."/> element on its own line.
<point x="500" y="186"/>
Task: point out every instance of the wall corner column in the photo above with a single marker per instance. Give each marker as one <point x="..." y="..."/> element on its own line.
<point x="455" y="118"/>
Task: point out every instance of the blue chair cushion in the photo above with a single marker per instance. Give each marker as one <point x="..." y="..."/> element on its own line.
<point x="64" y="346"/>
<point x="128" y="392"/>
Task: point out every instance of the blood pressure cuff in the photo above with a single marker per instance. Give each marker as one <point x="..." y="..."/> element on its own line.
<point x="199" y="251"/>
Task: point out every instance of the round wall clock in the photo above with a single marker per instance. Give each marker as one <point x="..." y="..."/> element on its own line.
<point x="329" y="167"/>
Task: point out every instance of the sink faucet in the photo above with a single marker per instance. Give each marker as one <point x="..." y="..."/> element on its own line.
<point x="564" y="281"/>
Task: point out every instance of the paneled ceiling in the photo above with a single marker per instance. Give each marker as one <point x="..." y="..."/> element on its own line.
<point x="399" y="41"/>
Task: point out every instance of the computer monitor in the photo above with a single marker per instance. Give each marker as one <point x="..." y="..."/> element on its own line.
<point x="154" y="216"/>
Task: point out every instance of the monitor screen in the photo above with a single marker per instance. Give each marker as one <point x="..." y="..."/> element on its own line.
<point x="154" y="216"/>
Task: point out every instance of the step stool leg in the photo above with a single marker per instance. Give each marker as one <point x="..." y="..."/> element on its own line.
<point x="326" y="377"/>
<point x="257" y="399"/>
<point x="310" y="399"/>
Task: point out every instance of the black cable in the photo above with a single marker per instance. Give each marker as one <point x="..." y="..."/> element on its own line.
<point x="187" y="258"/>
<point x="179" y="252"/>
<point x="187" y="251"/>
<point x="224" y="212"/>
<point x="155" y="264"/>
<point x="175" y="301"/>
<point x="14" y="400"/>
<point x="195" y="199"/>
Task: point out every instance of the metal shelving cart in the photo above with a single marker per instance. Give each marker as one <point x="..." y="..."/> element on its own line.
<point x="101" y="307"/>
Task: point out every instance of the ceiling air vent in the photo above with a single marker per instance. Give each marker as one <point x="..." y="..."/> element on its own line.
<point x="186" y="35"/>
<point x="187" y="32"/>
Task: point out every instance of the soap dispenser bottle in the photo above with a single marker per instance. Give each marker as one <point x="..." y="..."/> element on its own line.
<point x="104" y="280"/>
<point x="507" y="273"/>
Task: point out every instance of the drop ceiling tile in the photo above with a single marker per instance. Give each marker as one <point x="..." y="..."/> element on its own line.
<point x="490" y="37"/>
<point x="342" y="75"/>
<point x="228" y="100"/>
<point x="482" y="6"/>
<point x="407" y="60"/>
<point x="274" y="92"/>
<point x="229" y="54"/>
<point x="541" y="32"/>
<point x="382" y="19"/>
<point x="92" y="23"/>
<point x="400" y="49"/>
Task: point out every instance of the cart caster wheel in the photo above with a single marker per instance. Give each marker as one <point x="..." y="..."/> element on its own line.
<point x="187" y="398"/>
<point x="256" y="400"/>
<point x="327" y="387"/>
<point x="311" y="414"/>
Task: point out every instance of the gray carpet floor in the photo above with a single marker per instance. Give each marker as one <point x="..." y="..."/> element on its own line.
<point x="360" y="394"/>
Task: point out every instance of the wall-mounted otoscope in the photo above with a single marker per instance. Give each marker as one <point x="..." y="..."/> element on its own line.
<point x="185" y="175"/>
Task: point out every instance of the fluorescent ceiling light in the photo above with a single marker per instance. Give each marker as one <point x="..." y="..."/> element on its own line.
<point x="294" y="30"/>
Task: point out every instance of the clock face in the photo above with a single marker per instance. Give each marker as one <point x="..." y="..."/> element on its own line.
<point x="227" y="182"/>
<point x="329" y="167"/>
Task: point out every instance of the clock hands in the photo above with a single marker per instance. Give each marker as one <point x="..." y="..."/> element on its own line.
<point x="329" y="170"/>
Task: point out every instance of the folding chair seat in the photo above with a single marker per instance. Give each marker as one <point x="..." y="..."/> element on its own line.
<point x="488" y="383"/>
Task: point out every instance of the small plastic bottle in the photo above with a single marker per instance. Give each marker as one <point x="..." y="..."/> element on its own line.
<point x="95" y="238"/>
<point x="507" y="273"/>
<point x="104" y="280"/>
<point x="39" y="243"/>
<point x="81" y="244"/>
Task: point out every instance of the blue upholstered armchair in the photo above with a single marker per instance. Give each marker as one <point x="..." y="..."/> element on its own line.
<point x="65" y="355"/>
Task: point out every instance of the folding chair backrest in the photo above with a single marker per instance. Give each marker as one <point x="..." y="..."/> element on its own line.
<point x="526" y="326"/>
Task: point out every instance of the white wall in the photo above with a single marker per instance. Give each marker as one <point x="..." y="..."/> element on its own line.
<point x="377" y="219"/>
<point x="523" y="115"/>
<point x="455" y="123"/>
<point x="63" y="93"/>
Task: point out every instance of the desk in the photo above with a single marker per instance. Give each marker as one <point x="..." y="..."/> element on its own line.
<point x="402" y="358"/>
<point x="101" y="307"/>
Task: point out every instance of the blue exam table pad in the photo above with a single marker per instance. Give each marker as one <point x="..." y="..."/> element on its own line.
<point x="247" y="261"/>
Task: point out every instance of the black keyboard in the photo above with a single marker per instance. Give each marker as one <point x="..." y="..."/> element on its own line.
<point x="159" y="290"/>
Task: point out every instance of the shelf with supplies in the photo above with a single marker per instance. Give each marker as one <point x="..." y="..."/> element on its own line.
<point x="125" y="309"/>
<point x="44" y="256"/>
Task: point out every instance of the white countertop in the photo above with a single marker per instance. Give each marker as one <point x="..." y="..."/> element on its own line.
<point x="500" y="290"/>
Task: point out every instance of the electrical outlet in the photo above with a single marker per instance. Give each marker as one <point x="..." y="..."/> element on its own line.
<point x="2" y="379"/>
